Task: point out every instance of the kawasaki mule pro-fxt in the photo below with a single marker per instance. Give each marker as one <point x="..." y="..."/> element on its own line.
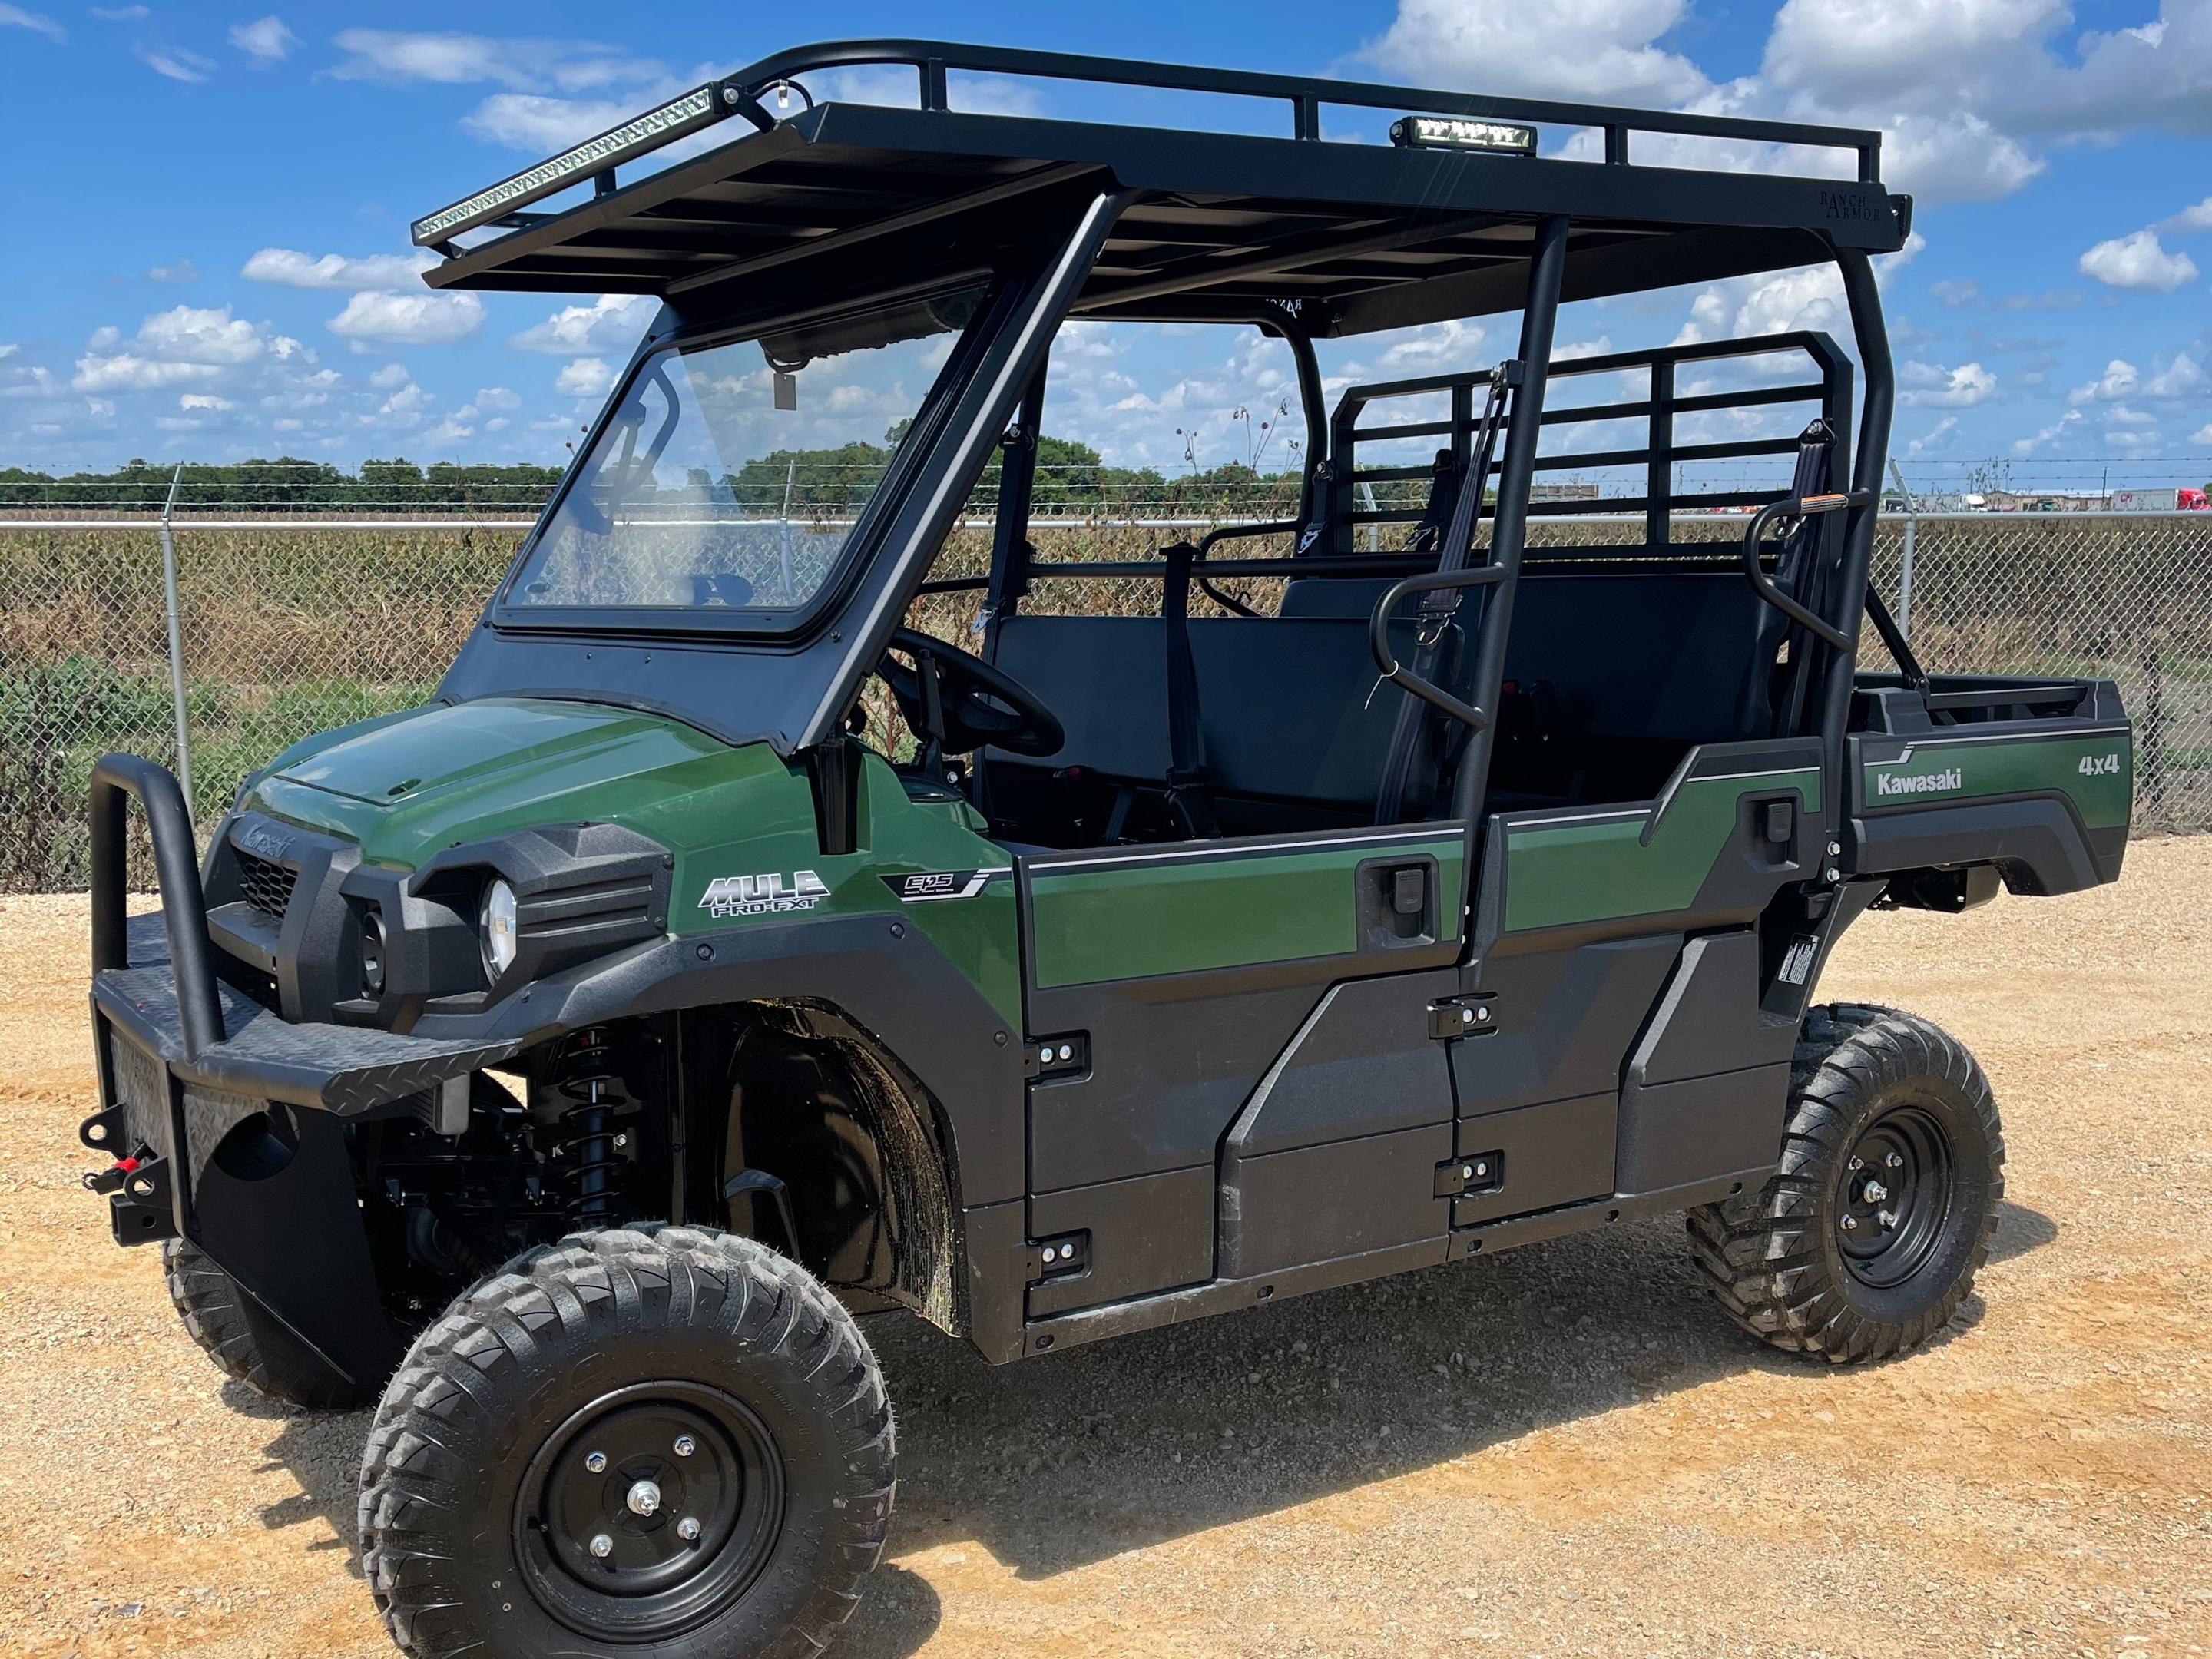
<point x="564" y="1064"/>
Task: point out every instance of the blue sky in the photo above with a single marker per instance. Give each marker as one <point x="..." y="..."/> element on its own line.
<point x="207" y="210"/>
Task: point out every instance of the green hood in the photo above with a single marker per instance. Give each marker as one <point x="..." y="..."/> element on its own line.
<point x="405" y="787"/>
<point x="401" y="788"/>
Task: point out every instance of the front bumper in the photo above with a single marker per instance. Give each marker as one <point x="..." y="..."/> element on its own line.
<point x="228" y="1125"/>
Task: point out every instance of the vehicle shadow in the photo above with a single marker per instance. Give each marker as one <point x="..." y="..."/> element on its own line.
<point x="1072" y="1458"/>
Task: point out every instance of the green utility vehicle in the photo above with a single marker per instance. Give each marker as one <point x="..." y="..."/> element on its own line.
<point x="564" y="1065"/>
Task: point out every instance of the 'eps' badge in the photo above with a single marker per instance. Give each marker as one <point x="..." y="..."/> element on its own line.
<point x="762" y="895"/>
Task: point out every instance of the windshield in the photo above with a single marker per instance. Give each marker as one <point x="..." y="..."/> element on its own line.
<point x="730" y="476"/>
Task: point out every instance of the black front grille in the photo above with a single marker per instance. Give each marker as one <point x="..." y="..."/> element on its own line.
<point x="265" y="886"/>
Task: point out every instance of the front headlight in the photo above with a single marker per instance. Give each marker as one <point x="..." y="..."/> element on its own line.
<point x="495" y="925"/>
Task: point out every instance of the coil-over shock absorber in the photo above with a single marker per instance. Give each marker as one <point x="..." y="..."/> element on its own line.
<point x="585" y="1074"/>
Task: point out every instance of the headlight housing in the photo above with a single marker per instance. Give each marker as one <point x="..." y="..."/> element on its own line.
<point x="495" y="926"/>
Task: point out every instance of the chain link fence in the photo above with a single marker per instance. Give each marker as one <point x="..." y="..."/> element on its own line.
<point x="289" y="629"/>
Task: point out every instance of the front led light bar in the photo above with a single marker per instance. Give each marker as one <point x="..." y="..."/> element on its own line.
<point x="1459" y="132"/>
<point x="656" y="127"/>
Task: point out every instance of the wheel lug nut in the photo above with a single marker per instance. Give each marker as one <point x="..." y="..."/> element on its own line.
<point x="685" y="1445"/>
<point x="596" y="1462"/>
<point x="688" y="1529"/>
<point x="1888" y="1219"/>
<point x="602" y="1545"/>
<point x="1859" y="1163"/>
<point x="1851" y="1224"/>
<point x="1895" y="1160"/>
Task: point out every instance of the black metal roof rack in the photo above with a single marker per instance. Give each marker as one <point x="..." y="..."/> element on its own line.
<point x="1330" y="236"/>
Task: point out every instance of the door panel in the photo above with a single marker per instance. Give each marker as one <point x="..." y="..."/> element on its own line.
<point x="1182" y="974"/>
<point x="1143" y="912"/>
<point x="1590" y="986"/>
<point x="1691" y="853"/>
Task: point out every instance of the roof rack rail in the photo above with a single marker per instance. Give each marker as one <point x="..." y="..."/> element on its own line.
<point x="935" y="61"/>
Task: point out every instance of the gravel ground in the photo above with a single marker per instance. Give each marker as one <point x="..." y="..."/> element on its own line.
<point x="1562" y="1450"/>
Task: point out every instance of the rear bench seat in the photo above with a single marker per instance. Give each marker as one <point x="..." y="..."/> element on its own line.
<point x="1641" y="665"/>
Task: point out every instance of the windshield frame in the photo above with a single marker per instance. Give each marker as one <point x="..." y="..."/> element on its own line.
<point x="767" y="623"/>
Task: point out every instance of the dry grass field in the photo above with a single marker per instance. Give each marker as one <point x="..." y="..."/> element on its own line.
<point x="1560" y="1451"/>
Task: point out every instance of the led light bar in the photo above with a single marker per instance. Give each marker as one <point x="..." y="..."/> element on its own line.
<point x="656" y="127"/>
<point x="1459" y="132"/>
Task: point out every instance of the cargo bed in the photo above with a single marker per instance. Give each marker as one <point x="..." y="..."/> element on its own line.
<point x="2029" y="778"/>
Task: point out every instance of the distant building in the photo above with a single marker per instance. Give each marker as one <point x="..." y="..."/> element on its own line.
<point x="2010" y="501"/>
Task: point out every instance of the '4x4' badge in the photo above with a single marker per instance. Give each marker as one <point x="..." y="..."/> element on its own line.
<point x="762" y="895"/>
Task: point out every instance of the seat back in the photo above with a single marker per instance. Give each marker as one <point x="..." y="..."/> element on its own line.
<point x="1639" y="665"/>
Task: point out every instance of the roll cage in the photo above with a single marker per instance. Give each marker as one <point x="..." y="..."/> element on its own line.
<point x="1307" y="236"/>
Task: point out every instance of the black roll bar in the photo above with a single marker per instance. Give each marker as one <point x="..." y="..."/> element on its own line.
<point x="184" y="904"/>
<point x="1509" y="523"/>
<point x="1866" y="460"/>
<point x="1793" y="508"/>
<point x="1378" y="637"/>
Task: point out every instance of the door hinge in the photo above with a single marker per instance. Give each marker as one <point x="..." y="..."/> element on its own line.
<point x="1477" y="1173"/>
<point x="1061" y="1256"/>
<point x="1063" y="1056"/>
<point x="1470" y="1016"/>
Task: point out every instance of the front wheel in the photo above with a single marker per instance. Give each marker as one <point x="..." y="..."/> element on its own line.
<point x="1867" y="1236"/>
<point x="664" y="1442"/>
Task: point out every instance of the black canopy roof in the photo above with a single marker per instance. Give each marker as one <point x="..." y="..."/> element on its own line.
<point x="1332" y="237"/>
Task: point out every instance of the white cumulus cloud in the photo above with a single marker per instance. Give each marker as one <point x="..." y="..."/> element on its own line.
<point x="1931" y="385"/>
<point x="1569" y="48"/>
<point x="292" y="269"/>
<point x="427" y="318"/>
<point x="611" y="322"/>
<point x="2138" y="263"/>
<point x="266" y="40"/>
<point x="585" y="377"/>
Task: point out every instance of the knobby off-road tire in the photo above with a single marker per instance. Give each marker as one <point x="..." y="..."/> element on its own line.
<point x="246" y="1342"/>
<point x="500" y="1512"/>
<point x="1869" y="1236"/>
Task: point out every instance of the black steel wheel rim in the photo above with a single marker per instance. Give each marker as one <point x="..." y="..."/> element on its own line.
<point x="649" y="1512"/>
<point x="1899" y="1188"/>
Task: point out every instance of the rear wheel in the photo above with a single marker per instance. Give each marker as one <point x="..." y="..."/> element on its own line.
<point x="1867" y="1238"/>
<point x="652" y="1441"/>
<point x="233" y="1331"/>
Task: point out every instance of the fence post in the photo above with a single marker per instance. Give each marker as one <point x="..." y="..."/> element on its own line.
<point x="1904" y="574"/>
<point x="176" y="644"/>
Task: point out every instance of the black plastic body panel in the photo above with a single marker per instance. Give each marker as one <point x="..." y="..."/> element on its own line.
<point x="1149" y="1233"/>
<point x="1363" y="1064"/>
<point x="2039" y="842"/>
<point x="1556" y="1154"/>
<point x="1710" y="1012"/>
<point x="1563" y="1020"/>
<point x="1172" y="1060"/>
<point x="1340" y="1198"/>
<point x="1699" y="1129"/>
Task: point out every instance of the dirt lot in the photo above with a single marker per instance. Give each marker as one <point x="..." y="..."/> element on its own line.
<point x="1563" y="1450"/>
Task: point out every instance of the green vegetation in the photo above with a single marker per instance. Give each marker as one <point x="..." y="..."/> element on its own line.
<point x="287" y="484"/>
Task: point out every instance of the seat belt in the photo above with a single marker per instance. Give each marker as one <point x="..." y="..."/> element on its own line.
<point x="1188" y="797"/>
<point x="1438" y="642"/>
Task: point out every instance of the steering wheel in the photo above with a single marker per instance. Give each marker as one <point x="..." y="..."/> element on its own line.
<point x="960" y="702"/>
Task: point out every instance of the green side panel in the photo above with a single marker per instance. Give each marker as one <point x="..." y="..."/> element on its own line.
<point x="1558" y="875"/>
<point x="1143" y="919"/>
<point x="404" y="788"/>
<point x="2097" y="773"/>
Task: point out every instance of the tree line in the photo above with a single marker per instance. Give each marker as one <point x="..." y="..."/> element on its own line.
<point x="1072" y="480"/>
